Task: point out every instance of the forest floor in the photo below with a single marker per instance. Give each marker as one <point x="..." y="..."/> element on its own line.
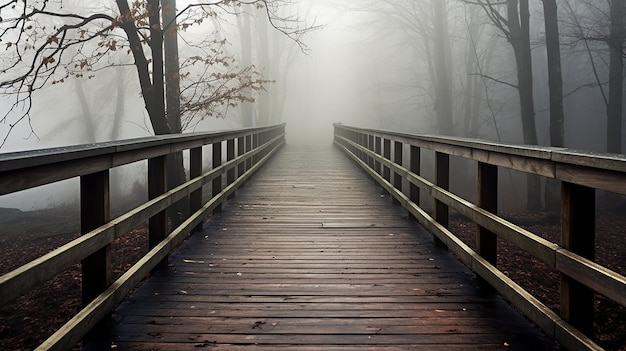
<point x="33" y="317"/>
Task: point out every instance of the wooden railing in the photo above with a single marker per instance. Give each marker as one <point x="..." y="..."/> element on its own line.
<point x="246" y="150"/>
<point x="380" y="153"/>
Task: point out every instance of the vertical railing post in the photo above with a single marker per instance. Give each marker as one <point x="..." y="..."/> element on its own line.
<point x="95" y="209"/>
<point x="415" y="159"/>
<point x="397" y="158"/>
<point x="577" y="235"/>
<point x="355" y="138"/>
<point x="195" y="170"/>
<point x="217" y="179"/>
<point x="363" y="142"/>
<point x="262" y="138"/>
<point x="377" y="150"/>
<point x="230" y="155"/>
<point x="387" y="155"/>
<point x="255" y="146"/>
<point x="442" y="180"/>
<point x="241" y="149"/>
<point x="157" y="185"/>
<point x="94" y="212"/>
<point x="248" y="149"/>
<point x="370" y="146"/>
<point x="486" y="240"/>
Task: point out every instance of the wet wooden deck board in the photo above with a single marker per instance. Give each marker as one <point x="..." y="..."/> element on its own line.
<point x="310" y="256"/>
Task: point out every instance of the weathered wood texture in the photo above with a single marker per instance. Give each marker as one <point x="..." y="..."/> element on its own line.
<point x="310" y="256"/>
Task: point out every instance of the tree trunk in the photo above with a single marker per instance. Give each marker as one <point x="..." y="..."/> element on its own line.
<point x="263" y="57"/>
<point x="555" y="82"/>
<point x="555" y="79"/>
<point x="443" y="103"/>
<point x="519" y="26"/>
<point x="472" y="92"/>
<point x="172" y="65"/>
<point x="175" y="167"/>
<point x="156" y="47"/>
<point x="90" y="128"/>
<point x="153" y="100"/>
<point x="245" y="32"/>
<point x="614" y="110"/>
<point x="120" y="103"/>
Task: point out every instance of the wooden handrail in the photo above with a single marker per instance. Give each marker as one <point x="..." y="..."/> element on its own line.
<point x="580" y="174"/>
<point x="24" y="170"/>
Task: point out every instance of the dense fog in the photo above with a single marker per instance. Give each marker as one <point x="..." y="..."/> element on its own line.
<point x="421" y="66"/>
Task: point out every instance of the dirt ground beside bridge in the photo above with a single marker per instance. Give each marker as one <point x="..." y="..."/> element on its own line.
<point x="35" y="316"/>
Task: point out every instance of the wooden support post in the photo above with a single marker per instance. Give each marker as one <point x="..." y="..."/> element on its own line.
<point x="248" y="149"/>
<point x="217" y="179"/>
<point x="261" y="143"/>
<point x="414" y="190"/>
<point x="578" y="235"/>
<point x="230" y="155"/>
<point x="377" y="150"/>
<point x="486" y="240"/>
<point x="94" y="212"/>
<point x="442" y="180"/>
<point x="255" y="145"/>
<point x="387" y="155"/>
<point x="241" y="149"/>
<point x="157" y="185"/>
<point x="363" y="142"/>
<point x="195" y="170"/>
<point x="397" y="158"/>
<point x="370" y="146"/>
<point x="95" y="209"/>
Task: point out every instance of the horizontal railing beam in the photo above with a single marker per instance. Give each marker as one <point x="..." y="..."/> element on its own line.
<point x="32" y="274"/>
<point x="608" y="173"/>
<point x="601" y="171"/>
<point x="28" y="169"/>
<point x="88" y="317"/>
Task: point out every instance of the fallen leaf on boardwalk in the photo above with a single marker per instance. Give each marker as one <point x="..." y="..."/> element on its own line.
<point x="205" y="343"/>
<point x="258" y="324"/>
<point x="439" y="311"/>
<point x="239" y="274"/>
<point x="182" y="292"/>
<point x="507" y="344"/>
<point x="192" y="261"/>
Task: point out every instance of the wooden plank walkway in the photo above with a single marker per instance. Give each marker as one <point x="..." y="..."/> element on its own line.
<point x="310" y="256"/>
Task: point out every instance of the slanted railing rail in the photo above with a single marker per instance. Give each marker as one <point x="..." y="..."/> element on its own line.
<point x="380" y="153"/>
<point x="246" y="151"/>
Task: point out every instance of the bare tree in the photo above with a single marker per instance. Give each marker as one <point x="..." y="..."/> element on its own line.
<point x="616" y="77"/>
<point x="599" y="28"/>
<point x="443" y="68"/>
<point x="512" y="18"/>
<point x="555" y="79"/>
<point x="45" y="43"/>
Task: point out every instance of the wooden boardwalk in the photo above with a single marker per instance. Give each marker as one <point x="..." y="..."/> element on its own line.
<point x="310" y="256"/>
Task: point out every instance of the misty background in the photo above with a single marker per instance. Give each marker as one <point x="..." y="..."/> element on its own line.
<point x="365" y="63"/>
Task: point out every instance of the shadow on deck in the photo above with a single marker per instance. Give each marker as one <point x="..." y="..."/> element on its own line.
<point x="310" y="256"/>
